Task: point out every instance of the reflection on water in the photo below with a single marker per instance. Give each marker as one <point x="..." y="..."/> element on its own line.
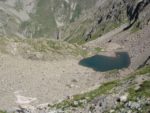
<point x="105" y="63"/>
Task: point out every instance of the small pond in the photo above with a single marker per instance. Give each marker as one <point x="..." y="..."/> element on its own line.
<point x="105" y="63"/>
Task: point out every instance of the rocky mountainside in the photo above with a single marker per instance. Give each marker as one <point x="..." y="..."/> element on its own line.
<point x="106" y="16"/>
<point x="39" y="18"/>
<point x="74" y="21"/>
<point x="74" y="56"/>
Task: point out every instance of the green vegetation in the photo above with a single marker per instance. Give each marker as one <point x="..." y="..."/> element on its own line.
<point x="19" y="5"/>
<point x="98" y="49"/>
<point x="77" y="40"/>
<point x="143" y="91"/>
<point x="41" y="45"/>
<point x="104" y="28"/>
<point x="42" y="23"/>
<point x="44" y="46"/>
<point x="100" y="30"/>
<point x="77" y="35"/>
<point x="56" y="46"/>
<point x="3" y="111"/>
<point x="135" y="27"/>
<point x="76" y="13"/>
<point x="142" y="71"/>
<point x="45" y="18"/>
<point x="3" y="42"/>
<point x="80" y="100"/>
<point x="112" y="74"/>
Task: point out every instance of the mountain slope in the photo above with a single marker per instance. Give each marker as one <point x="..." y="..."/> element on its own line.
<point x="39" y="18"/>
<point x="42" y="43"/>
<point x="74" y="21"/>
<point x="106" y="16"/>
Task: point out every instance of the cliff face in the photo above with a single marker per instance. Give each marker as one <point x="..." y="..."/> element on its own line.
<point x="74" y="21"/>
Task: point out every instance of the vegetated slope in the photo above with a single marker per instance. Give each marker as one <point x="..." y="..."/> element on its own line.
<point x="74" y="21"/>
<point x="40" y="49"/>
<point x="130" y="94"/>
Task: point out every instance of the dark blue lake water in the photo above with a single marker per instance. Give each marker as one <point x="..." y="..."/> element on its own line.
<point x="105" y="63"/>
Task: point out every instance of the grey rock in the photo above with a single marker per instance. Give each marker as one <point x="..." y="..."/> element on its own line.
<point x="134" y="105"/>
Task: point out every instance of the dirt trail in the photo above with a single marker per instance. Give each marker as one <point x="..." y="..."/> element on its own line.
<point x="43" y="82"/>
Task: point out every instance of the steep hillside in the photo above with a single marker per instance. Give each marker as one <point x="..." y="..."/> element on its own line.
<point x="39" y="18"/>
<point x="106" y="16"/>
<point x="74" y="21"/>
